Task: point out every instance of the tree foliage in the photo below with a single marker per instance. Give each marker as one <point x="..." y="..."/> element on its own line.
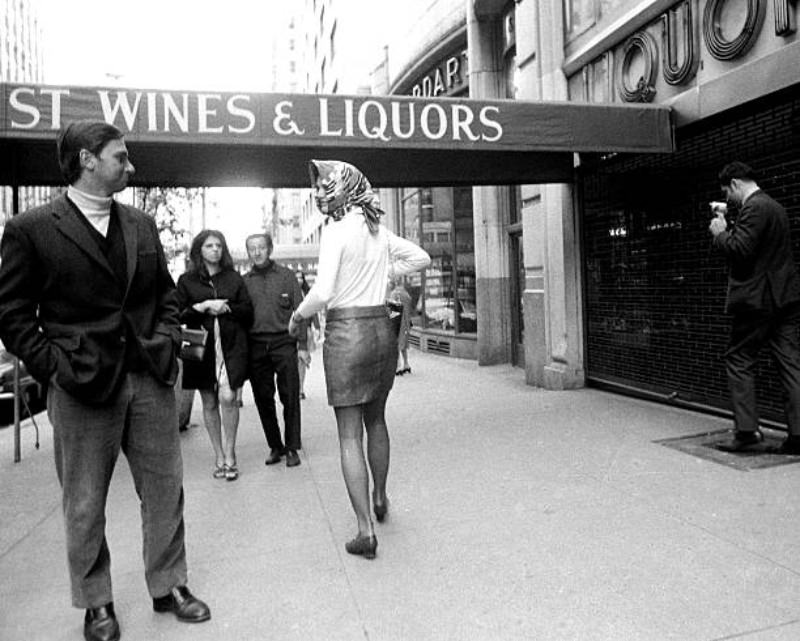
<point x="169" y="207"/>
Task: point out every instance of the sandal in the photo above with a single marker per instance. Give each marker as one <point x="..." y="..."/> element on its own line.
<point x="219" y="472"/>
<point x="231" y="472"/>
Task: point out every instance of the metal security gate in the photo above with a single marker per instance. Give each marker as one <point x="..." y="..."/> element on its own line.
<point x="654" y="287"/>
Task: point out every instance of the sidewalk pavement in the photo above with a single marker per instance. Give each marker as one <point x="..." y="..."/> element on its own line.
<point x="515" y="513"/>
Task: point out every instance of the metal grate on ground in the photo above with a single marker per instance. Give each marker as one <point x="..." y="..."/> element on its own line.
<point x="704" y="446"/>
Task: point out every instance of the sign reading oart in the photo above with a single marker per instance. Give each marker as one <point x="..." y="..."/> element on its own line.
<point x="284" y="118"/>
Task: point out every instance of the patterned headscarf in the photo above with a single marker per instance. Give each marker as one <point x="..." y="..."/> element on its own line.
<point x="345" y="187"/>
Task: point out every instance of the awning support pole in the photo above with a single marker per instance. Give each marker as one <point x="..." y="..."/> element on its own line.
<point x="17" y="430"/>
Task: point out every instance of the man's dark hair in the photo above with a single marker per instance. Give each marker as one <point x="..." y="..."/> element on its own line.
<point x="264" y="234"/>
<point x="738" y="170"/>
<point x="196" y="255"/>
<point x="91" y="135"/>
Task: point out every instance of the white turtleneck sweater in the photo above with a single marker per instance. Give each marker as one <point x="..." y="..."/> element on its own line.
<point x="97" y="209"/>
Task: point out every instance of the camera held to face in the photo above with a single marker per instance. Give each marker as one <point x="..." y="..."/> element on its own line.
<point x="718" y="207"/>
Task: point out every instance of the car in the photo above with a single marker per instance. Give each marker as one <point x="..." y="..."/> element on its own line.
<point x="33" y="400"/>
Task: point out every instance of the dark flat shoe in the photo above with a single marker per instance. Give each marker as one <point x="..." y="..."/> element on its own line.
<point x="362" y="546"/>
<point x="292" y="459"/>
<point x="790" y="446"/>
<point x="742" y="442"/>
<point x="274" y="457"/>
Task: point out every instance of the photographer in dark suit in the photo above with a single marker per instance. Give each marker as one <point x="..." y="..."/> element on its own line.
<point x="87" y="302"/>
<point x="764" y="300"/>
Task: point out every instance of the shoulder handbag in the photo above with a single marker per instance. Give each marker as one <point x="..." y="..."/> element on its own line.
<point x="193" y="343"/>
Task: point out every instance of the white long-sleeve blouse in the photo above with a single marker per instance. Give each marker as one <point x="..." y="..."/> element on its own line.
<point x="355" y="265"/>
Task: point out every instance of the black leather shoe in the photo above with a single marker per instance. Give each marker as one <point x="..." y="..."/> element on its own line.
<point x="292" y="459"/>
<point x="742" y="442"/>
<point x="274" y="457"/>
<point x="790" y="446"/>
<point x="100" y="624"/>
<point x="183" y="605"/>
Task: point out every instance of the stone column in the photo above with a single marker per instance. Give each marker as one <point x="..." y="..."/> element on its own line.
<point x="489" y="204"/>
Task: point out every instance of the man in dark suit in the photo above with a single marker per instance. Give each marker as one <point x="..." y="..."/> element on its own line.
<point x="764" y="300"/>
<point x="87" y="303"/>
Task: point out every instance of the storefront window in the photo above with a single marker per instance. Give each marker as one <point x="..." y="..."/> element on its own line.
<point x="410" y="225"/>
<point x="440" y="220"/>
<point x="465" y="260"/>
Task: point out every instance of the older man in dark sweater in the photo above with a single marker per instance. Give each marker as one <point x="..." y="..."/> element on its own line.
<point x="275" y="294"/>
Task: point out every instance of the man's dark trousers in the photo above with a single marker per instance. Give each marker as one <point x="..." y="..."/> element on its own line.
<point x="750" y="332"/>
<point x="139" y="420"/>
<point x="270" y="361"/>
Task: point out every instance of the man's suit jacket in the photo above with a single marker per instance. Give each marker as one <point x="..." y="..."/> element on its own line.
<point x="63" y="310"/>
<point x="763" y="274"/>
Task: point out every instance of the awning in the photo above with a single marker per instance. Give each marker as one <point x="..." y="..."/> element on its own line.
<point x="258" y="139"/>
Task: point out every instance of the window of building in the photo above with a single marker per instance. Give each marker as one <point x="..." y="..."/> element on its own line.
<point x="581" y="15"/>
<point x="440" y="221"/>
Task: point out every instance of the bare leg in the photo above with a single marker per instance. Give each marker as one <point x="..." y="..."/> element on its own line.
<point x="230" y="422"/>
<point x="212" y="421"/>
<point x="377" y="446"/>
<point x="354" y="467"/>
<point x="404" y="353"/>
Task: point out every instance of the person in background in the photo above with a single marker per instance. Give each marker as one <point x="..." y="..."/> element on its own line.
<point x="273" y="355"/>
<point x="212" y="294"/>
<point x="763" y="299"/>
<point x="184" y="400"/>
<point x="400" y="295"/>
<point x="357" y="256"/>
<point x="87" y="302"/>
<point x="304" y="356"/>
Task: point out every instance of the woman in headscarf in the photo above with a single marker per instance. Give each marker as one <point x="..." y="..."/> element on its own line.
<point x="357" y="256"/>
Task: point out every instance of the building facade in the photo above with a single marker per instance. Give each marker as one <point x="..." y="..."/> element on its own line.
<point x="337" y="50"/>
<point x="468" y="303"/>
<point x="609" y="279"/>
<point x="21" y="60"/>
<point x="654" y="289"/>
